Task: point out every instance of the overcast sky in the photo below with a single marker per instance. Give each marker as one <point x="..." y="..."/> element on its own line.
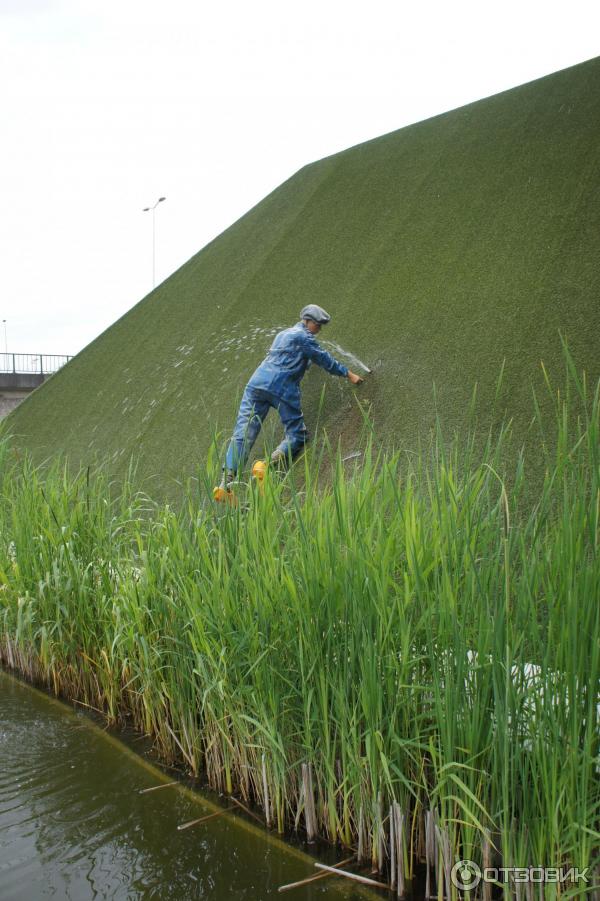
<point x="105" y="106"/>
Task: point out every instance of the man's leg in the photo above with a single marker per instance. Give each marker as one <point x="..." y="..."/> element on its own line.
<point x="253" y="409"/>
<point x="296" y="433"/>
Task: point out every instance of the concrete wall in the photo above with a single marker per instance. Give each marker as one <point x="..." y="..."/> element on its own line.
<point x="9" y="403"/>
<point x="20" y="381"/>
<point x="14" y="388"/>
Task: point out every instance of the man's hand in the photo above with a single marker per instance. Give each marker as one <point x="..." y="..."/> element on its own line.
<point x="354" y="378"/>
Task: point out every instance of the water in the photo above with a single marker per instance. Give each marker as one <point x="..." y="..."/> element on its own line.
<point x="228" y="342"/>
<point x="340" y="352"/>
<point x="74" y="826"/>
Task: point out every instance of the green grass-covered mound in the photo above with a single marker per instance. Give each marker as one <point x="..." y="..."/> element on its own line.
<point x="441" y="250"/>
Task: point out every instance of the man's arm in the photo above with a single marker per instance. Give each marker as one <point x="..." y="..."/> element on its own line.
<point x="313" y="350"/>
<point x="321" y="357"/>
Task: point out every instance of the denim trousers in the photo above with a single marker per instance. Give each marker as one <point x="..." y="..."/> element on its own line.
<point x="254" y="407"/>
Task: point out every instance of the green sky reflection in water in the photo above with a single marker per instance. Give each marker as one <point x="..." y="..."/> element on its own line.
<point x="73" y="825"/>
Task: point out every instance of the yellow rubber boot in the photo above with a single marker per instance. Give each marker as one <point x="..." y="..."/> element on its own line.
<point x="259" y="470"/>
<point x="224" y="495"/>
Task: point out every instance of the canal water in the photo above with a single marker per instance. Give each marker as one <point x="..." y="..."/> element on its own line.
<point x="74" y="826"/>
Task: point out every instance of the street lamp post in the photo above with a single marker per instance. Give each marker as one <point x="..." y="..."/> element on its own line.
<point x="151" y="209"/>
<point x="5" y="337"/>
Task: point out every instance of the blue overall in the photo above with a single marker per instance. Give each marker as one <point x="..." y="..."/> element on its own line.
<point x="276" y="383"/>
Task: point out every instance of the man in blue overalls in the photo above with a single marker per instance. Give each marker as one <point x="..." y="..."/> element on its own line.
<point x="276" y="383"/>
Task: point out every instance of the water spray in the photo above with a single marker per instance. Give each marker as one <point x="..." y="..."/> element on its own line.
<point x="346" y="353"/>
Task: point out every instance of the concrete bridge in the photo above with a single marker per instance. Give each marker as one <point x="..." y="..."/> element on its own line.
<point x="20" y="374"/>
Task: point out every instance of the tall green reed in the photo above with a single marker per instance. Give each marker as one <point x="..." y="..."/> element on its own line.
<point x="398" y="655"/>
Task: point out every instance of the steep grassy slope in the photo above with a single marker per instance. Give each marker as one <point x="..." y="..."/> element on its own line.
<point x="440" y="250"/>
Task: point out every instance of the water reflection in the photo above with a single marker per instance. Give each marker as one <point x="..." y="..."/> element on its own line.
<point x="74" y="826"/>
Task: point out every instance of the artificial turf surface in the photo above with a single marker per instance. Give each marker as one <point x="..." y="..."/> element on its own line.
<point x="440" y="250"/>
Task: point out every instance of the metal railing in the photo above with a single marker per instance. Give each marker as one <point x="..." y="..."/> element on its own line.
<point x="32" y="364"/>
